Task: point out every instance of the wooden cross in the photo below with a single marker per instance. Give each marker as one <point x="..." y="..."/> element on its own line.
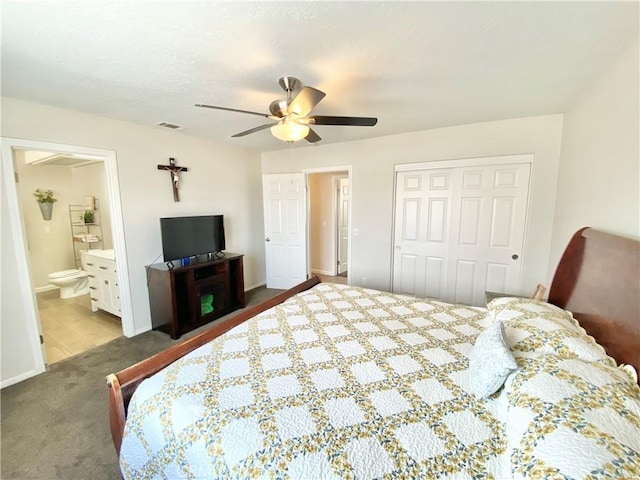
<point x="175" y="179"/>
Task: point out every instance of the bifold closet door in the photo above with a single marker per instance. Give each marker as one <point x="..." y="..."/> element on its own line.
<point x="460" y="231"/>
<point x="423" y="201"/>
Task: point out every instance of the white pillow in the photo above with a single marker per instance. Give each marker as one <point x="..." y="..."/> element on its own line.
<point x="490" y="362"/>
<point x="535" y="328"/>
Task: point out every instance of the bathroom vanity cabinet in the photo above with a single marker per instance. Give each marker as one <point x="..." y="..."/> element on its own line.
<point x="103" y="283"/>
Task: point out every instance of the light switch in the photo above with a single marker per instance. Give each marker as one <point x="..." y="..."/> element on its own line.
<point x="355" y="232"/>
<point x="47" y="229"/>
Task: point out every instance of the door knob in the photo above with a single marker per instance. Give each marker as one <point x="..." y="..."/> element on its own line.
<point x="515" y="256"/>
<point x="397" y="247"/>
<point x="267" y="239"/>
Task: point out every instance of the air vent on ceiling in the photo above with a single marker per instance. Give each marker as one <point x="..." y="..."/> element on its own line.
<point x="61" y="159"/>
<point x="171" y="126"/>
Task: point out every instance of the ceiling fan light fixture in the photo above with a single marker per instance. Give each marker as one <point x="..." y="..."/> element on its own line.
<point x="292" y="114"/>
<point x="289" y="131"/>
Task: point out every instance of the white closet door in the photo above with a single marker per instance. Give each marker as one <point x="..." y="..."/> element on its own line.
<point x="423" y="201"/>
<point x="285" y="211"/>
<point x="460" y="231"/>
<point x="487" y="232"/>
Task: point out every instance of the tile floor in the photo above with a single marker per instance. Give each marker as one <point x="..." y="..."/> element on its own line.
<point x="70" y="327"/>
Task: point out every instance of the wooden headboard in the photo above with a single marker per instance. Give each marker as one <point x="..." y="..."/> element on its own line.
<point x="598" y="280"/>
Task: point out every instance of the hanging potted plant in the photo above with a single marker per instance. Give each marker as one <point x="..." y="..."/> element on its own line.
<point x="45" y="201"/>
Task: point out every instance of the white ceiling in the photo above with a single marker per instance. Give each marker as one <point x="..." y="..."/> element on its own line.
<point x="414" y="65"/>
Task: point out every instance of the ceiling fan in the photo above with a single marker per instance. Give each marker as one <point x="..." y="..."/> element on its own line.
<point x="291" y="114"/>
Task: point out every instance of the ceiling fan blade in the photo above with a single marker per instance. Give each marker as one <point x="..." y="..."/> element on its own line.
<point x="312" y="137"/>
<point x="332" y="120"/>
<point x="253" y="130"/>
<point x="266" y="115"/>
<point x="304" y="102"/>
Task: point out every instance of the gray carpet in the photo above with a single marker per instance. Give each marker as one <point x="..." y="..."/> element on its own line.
<point x="56" y="425"/>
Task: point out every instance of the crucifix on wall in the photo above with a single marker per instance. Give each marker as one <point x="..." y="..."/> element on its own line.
<point x="175" y="178"/>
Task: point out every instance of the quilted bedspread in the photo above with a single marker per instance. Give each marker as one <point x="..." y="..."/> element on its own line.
<point x="337" y="382"/>
<point x="345" y="382"/>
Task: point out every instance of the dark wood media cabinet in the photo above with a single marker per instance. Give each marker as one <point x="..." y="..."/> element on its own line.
<point x="185" y="297"/>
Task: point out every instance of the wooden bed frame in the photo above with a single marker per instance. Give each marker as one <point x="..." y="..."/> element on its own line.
<point x="598" y="280"/>
<point x="607" y="305"/>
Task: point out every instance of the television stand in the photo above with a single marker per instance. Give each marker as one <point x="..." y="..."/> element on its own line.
<point x="183" y="298"/>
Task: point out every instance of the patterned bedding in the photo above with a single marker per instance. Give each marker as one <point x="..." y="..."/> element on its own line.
<point x="567" y="418"/>
<point x="344" y="382"/>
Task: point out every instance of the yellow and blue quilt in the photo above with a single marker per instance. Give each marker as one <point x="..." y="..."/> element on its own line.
<point x="345" y="382"/>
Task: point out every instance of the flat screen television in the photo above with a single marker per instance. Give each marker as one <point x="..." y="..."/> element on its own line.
<point x="184" y="237"/>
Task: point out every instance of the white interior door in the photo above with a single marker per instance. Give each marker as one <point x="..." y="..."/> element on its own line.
<point x="460" y="231"/>
<point x="423" y="201"/>
<point x="487" y="232"/>
<point x="285" y="213"/>
<point x="343" y="224"/>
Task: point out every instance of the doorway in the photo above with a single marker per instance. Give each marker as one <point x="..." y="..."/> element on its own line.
<point x="328" y="250"/>
<point x="79" y="224"/>
<point x="11" y="150"/>
<point x="290" y="233"/>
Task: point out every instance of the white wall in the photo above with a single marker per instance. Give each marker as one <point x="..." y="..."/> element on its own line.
<point x="17" y="349"/>
<point x="599" y="178"/>
<point x="91" y="181"/>
<point x="52" y="251"/>
<point x="372" y="182"/>
<point x="220" y="179"/>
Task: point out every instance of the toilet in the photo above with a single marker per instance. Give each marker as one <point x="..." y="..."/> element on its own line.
<point x="72" y="283"/>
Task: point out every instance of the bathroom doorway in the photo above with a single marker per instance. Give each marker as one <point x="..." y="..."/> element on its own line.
<point x="68" y="325"/>
<point x="79" y="224"/>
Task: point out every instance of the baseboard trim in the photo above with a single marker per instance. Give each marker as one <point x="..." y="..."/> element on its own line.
<point x="323" y="272"/>
<point x="45" y="289"/>
<point x="253" y="287"/>
<point x="19" y="378"/>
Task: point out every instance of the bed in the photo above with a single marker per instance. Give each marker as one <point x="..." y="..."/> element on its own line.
<point x="334" y="381"/>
